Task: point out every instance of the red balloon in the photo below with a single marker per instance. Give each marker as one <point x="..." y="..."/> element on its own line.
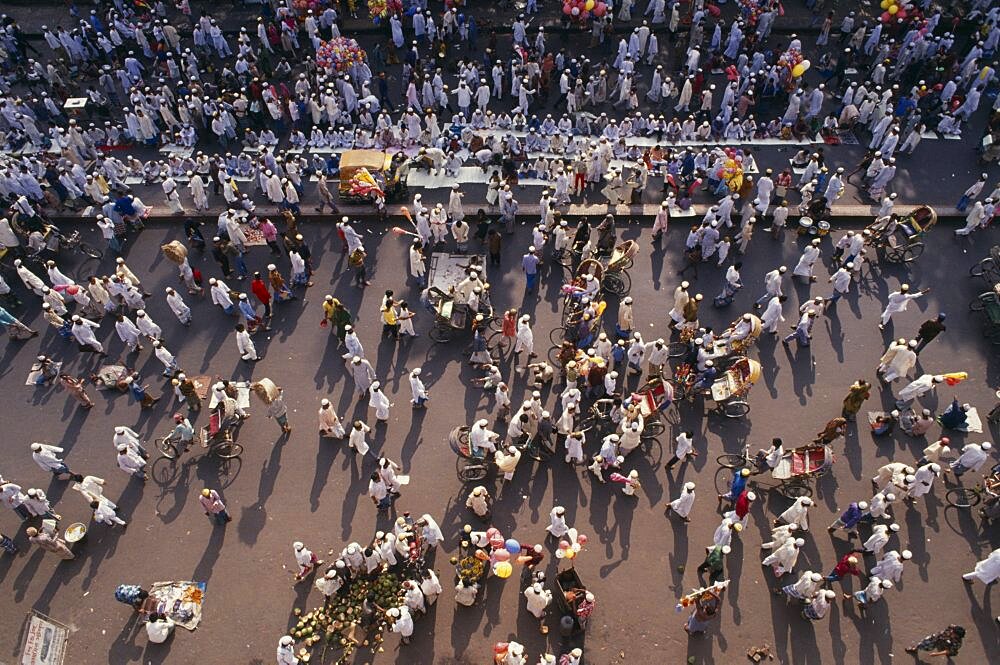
<point x="567" y="10"/>
<point x="886" y="16"/>
<point x="599" y="9"/>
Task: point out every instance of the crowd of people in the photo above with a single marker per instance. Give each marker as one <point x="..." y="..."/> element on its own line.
<point x="255" y="117"/>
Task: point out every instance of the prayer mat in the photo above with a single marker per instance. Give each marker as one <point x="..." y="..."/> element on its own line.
<point x="36" y="373"/>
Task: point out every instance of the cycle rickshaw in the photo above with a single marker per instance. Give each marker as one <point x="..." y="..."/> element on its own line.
<point x="989" y="304"/>
<point x="988" y="268"/>
<point x="469" y="466"/>
<point x="792" y="476"/>
<point x="728" y="391"/>
<point x="651" y="400"/>
<point x="616" y="278"/>
<point x="900" y="239"/>
<point x="445" y="275"/>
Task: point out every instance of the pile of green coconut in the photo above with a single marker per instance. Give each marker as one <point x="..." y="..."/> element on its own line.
<point x="338" y="624"/>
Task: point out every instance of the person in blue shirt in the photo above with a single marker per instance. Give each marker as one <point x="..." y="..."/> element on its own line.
<point x="737" y="485"/>
<point x="849" y="519"/>
<point x="529" y="263"/>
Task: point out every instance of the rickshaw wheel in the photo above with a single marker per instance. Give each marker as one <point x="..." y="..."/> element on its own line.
<point x="498" y="342"/>
<point x="977" y="304"/>
<point x="735" y="409"/>
<point x="166" y="448"/>
<point x="227" y="450"/>
<point x="557" y="336"/>
<point x="893" y="254"/>
<point x="496" y="323"/>
<point x="677" y="349"/>
<point x="731" y="461"/>
<point x="652" y="429"/>
<point x="912" y="252"/>
<point x="617" y="284"/>
<point x="979" y="269"/>
<point x="961" y="497"/>
<point x="438" y="335"/>
<point x="470" y="473"/>
<point x="794" y="490"/>
<point x="553" y="356"/>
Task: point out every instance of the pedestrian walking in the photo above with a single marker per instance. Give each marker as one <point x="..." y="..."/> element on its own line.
<point x="929" y="330"/>
<point x="50" y="543"/>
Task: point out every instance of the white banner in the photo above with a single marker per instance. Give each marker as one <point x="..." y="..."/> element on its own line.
<point x="44" y="641"/>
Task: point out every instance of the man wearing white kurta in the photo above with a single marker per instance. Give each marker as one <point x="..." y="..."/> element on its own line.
<point x="898" y="301"/>
<point x="378" y="401"/>
<point x="804" y="268"/>
<point x="902" y="362"/>
<point x="797" y="513"/>
<point x="682" y="504"/>
<point x="987" y="570"/>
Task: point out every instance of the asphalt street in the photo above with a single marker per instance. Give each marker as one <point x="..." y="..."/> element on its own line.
<point x="638" y="561"/>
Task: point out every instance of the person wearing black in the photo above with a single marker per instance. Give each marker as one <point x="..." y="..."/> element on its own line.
<point x="928" y="330"/>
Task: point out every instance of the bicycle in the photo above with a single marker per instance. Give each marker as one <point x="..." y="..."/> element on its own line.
<point x="967" y="497"/>
<point x="224" y="448"/>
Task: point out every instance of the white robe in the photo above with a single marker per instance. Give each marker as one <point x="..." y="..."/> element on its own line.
<point x="329" y="423"/>
<point x="557" y="525"/>
<point x="380" y="403"/>
<point x="783" y="559"/>
<point x="682" y="505"/>
<point x="797" y="513"/>
<point x="889" y="567"/>
<point x="988" y="569"/>
<point x="804" y="267"/>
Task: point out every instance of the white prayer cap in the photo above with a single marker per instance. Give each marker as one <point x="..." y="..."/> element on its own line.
<point x="816" y="577"/>
<point x="886" y="584"/>
<point x="376" y="385"/>
<point x="907" y="555"/>
<point x="986" y="445"/>
<point x="685" y="284"/>
<point x="286" y="641"/>
<point x="689" y="486"/>
<point x="122" y="448"/>
<point x="863" y="505"/>
<point x="752" y="497"/>
<point x="894" y="527"/>
<point x="726" y="549"/>
<point x="829" y="595"/>
<point x="799" y="542"/>
<point x="890" y="497"/>
<point x="416" y="371"/>
<point x="324" y="402"/>
<point x="119" y="430"/>
<point x="297" y="546"/>
<point x="271" y="266"/>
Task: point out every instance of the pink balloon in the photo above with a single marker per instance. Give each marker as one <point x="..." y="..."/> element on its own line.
<point x="567" y="10"/>
<point x="501" y="555"/>
<point x="563" y="544"/>
<point x="584" y="14"/>
<point x="582" y="539"/>
<point x="599" y="9"/>
<point x="885" y="17"/>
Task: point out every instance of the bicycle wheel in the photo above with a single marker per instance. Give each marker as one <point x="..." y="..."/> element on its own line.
<point x="498" y="342"/>
<point x="978" y="269"/>
<point x="557" y="336"/>
<point x="677" y="349"/>
<point x="961" y="497"/>
<point x="795" y="489"/>
<point x="731" y="461"/>
<point x="615" y="284"/>
<point x="496" y="324"/>
<point x="470" y="473"/>
<point x="978" y="304"/>
<point x="735" y="409"/>
<point x="553" y="356"/>
<point x="227" y="450"/>
<point x="913" y="252"/>
<point x="652" y="429"/>
<point x="166" y="448"/>
<point x="90" y="250"/>
<point x="439" y="334"/>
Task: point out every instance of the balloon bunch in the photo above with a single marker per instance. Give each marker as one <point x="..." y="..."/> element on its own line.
<point x="580" y="10"/>
<point x="339" y="54"/>
<point x="731" y="170"/>
<point x="792" y="59"/>
<point x="894" y="9"/>
<point x="568" y="549"/>
<point x="502" y="551"/>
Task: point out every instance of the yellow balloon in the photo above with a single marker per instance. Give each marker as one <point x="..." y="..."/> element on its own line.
<point x="589" y="5"/>
<point x="503" y="570"/>
<point x="798" y="70"/>
<point x="885" y="4"/>
<point x="569" y="554"/>
<point x="893" y="9"/>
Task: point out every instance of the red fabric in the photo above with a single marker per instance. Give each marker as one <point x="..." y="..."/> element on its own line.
<point x="259" y="289"/>
<point x="742" y="506"/>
